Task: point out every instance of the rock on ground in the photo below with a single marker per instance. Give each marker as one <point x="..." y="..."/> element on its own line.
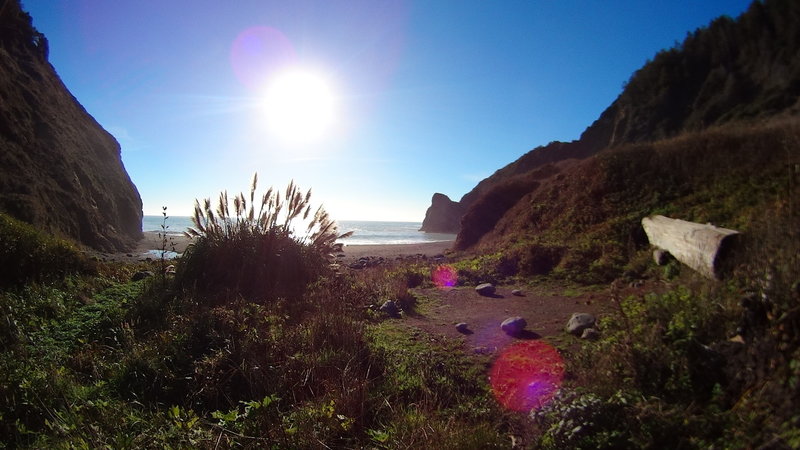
<point x="579" y="322"/>
<point x="485" y="289"/>
<point x="590" y="334"/>
<point x="142" y="275"/>
<point x="513" y="325"/>
<point x="390" y="308"/>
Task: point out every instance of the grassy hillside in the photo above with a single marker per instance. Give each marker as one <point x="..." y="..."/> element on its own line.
<point x="733" y="71"/>
<point x="685" y="362"/>
<point x="226" y="353"/>
<point x="588" y="215"/>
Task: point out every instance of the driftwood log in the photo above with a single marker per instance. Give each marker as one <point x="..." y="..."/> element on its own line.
<point x="697" y="245"/>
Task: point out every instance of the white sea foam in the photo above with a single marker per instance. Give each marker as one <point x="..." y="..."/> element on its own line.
<point x="364" y="232"/>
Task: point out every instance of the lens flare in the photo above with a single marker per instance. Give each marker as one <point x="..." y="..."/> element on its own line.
<point x="444" y="276"/>
<point x="257" y="53"/>
<point x="527" y="375"/>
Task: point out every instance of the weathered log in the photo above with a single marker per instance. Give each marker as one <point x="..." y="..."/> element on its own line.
<point x="697" y="245"/>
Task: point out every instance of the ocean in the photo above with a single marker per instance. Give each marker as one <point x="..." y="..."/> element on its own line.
<point x="364" y="232"/>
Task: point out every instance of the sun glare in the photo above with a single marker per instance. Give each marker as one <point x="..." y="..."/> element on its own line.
<point x="299" y="106"/>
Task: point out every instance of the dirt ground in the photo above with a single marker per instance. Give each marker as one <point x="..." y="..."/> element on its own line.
<point x="546" y="314"/>
<point x="546" y="310"/>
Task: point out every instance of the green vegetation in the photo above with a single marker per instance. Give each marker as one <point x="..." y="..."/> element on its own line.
<point x="667" y="374"/>
<point x="257" y="341"/>
<point x="254" y="342"/>
<point x="585" y="227"/>
<point x="27" y="254"/>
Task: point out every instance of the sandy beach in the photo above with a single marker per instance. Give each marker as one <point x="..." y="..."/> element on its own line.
<point x="150" y="243"/>
<point x="429" y="249"/>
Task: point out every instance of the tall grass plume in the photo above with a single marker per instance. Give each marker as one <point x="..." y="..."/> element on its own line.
<point x="258" y="246"/>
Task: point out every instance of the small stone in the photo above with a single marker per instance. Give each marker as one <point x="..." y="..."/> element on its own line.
<point x="579" y="322"/>
<point x="485" y="289"/>
<point x="590" y="334"/>
<point x="513" y="325"/>
<point x="462" y="327"/>
<point x="390" y="308"/>
<point x="517" y="292"/>
<point x="142" y="275"/>
<point x="660" y="256"/>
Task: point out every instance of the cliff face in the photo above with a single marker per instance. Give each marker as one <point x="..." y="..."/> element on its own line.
<point x="59" y="170"/>
<point x="443" y="216"/>
<point x="746" y="69"/>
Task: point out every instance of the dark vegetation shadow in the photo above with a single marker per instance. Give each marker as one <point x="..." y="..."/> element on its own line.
<point x="527" y="335"/>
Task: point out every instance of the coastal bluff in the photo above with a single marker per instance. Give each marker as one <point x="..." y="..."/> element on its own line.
<point x="59" y="169"/>
<point x="733" y="72"/>
<point x="443" y="216"/>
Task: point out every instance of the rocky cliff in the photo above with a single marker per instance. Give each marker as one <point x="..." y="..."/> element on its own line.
<point x="443" y="216"/>
<point x="59" y="170"/>
<point x="746" y="69"/>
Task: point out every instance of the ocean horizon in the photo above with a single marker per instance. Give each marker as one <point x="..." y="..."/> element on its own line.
<point x="365" y="232"/>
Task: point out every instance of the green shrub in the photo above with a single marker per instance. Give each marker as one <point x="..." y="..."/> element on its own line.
<point x="27" y="254"/>
<point x="577" y="419"/>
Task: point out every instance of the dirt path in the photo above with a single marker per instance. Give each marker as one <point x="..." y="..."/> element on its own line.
<point x="546" y="314"/>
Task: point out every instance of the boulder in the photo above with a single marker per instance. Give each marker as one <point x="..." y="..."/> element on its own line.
<point x="390" y="308"/>
<point x="579" y="322"/>
<point x="485" y="289"/>
<point x="660" y="256"/>
<point x="513" y="325"/>
<point x="141" y="275"/>
<point x="590" y="334"/>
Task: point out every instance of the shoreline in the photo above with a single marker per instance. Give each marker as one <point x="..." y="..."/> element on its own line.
<point x="152" y="242"/>
<point x="391" y="251"/>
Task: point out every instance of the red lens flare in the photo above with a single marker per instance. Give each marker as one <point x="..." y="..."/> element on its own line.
<point x="527" y="375"/>
<point x="444" y="276"/>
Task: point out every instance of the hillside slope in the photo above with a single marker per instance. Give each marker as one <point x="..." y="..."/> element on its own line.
<point x="584" y="223"/>
<point x="746" y="69"/>
<point x="59" y="170"/>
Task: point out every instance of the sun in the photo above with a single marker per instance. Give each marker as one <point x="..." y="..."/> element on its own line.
<point x="299" y="105"/>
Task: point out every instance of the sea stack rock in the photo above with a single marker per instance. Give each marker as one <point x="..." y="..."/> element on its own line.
<point x="443" y="216"/>
<point x="59" y="169"/>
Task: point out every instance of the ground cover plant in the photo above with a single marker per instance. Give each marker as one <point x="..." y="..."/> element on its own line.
<point x="258" y="341"/>
<point x="227" y="352"/>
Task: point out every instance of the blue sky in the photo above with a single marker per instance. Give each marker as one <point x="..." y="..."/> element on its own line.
<point x="428" y="96"/>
